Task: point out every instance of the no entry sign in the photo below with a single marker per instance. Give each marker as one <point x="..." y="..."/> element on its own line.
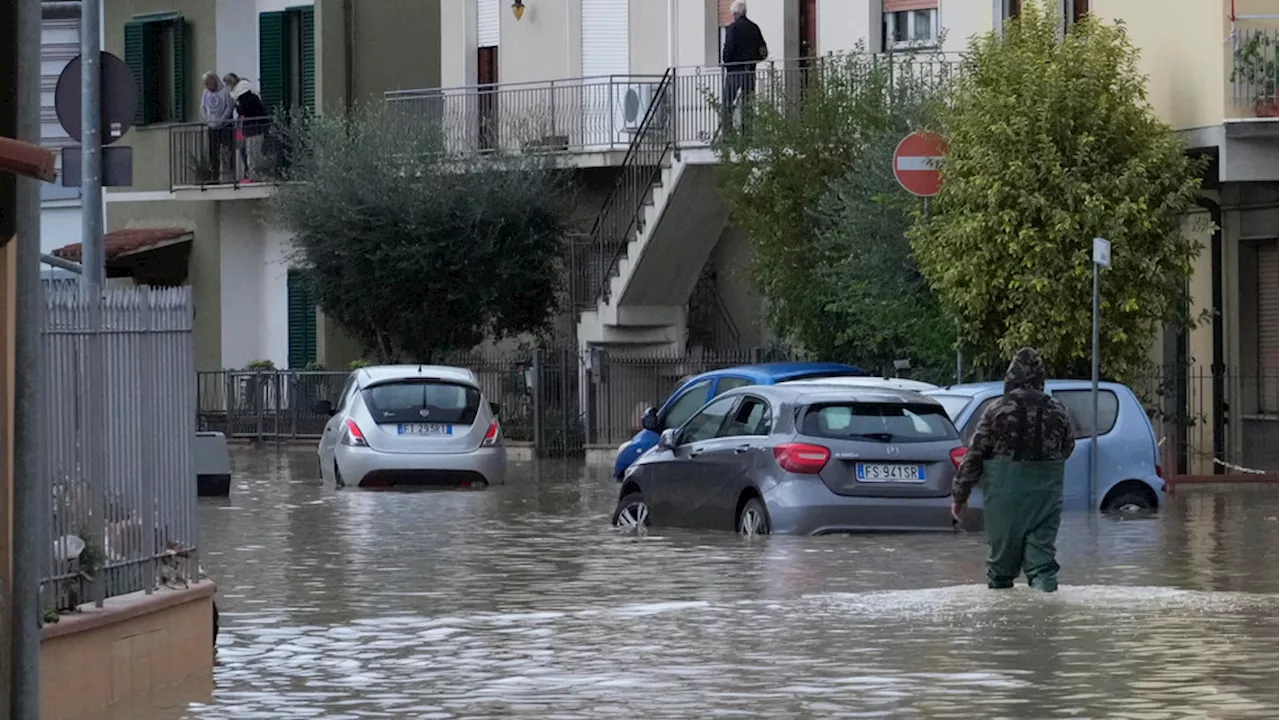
<point x="915" y="163"/>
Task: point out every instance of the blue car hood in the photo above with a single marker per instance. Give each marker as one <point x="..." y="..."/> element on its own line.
<point x="638" y="445"/>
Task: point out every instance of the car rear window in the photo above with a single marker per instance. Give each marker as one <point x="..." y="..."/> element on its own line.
<point x="954" y="404"/>
<point x="423" y="401"/>
<point x="879" y="422"/>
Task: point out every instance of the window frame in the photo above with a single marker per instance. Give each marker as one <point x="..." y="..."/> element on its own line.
<point x="889" y="25"/>
<point x="767" y="418"/>
<point x="682" y="439"/>
<point x="1082" y="429"/>
<point x="347" y="392"/>
<point x="665" y="417"/>
<point x="736" y="381"/>
<point x="160" y="59"/>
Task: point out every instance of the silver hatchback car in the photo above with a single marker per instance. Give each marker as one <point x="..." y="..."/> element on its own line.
<point x="412" y="425"/>
<point x="806" y="460"/>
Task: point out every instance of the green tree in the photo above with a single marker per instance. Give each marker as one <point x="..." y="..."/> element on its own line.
<point x="415" y="251"/>
<point x="1053" y="143"/>
<point x="809" y="179"/>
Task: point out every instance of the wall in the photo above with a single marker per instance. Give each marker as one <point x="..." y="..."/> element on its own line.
<point x="458" y="43"/>
<point x="731" y="261"/>
<point x="961" y="20"/>
<point x="543" y="45"/>
<point x="397" y="46"/>
<point x="135" y="648"/>
<point x="204" y="274"/>
<point x="151" y="144"/>
<point x="254" y="290"/>
<point x="697" y="33"/>
<point x="842" y="24"/>
<point x="650" y="52"/>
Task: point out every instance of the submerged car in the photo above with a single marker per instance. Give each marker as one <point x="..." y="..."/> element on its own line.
<point x="412" y="425"/>
<point x="801" y="460"/>
<point x="1129" y="474"/>
<point x="698" y="390"/>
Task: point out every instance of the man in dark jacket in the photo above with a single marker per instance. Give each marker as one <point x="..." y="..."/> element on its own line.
<point x="1019" y="452"/>
<point x="744" y="46"/>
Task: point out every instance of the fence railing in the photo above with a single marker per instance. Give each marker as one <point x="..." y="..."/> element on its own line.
<point x="1254" y="68"/>
<point x="118" y="406"/>
<point x="237" y="153"/>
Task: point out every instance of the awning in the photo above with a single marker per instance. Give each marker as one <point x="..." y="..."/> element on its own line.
<point x="124" y="243"/>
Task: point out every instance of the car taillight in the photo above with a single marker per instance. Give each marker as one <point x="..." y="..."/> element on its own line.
<point x="802" y="458"/>
<point x="957" y="456"/>
<point x="492" y="434"/>
<point x="353" y="436"/>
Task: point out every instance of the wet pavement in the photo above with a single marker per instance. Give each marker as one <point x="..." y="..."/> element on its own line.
<point x="520" y="602"/>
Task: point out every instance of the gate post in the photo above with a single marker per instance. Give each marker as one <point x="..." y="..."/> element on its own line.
<point x="539" y="405"/>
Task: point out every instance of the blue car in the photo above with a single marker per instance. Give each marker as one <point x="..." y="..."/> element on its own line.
<point x="700" y="389"/>
<point x="1129" y="475"/>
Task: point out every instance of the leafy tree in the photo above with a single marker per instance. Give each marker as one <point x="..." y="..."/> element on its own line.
<point x="416" y="252"/>
<point x="1053" y="143"/>
<point x="808" y="176"/>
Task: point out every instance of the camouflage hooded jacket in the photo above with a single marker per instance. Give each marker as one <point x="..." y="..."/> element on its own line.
<point x="1024" y="425"/>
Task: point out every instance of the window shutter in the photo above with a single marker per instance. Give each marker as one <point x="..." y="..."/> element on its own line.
<point x="135" y="56"/>
<point x="903" y="5"/>
<point x="487" y="23"/>
<point x="180" y="65"/>
<point x="271" y="59"/>
<point x="605" y="39"/>
<point x="1268" y="326"/>
<point x="307" y="25"/>
<point x="302" y="321"/>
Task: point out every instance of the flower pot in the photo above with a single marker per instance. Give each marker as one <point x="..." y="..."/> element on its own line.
<point x="1266" y="107"/>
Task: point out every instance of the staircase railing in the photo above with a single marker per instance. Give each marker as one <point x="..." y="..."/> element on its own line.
<point x="623" y="211"/>
<point x="710" y="324"/>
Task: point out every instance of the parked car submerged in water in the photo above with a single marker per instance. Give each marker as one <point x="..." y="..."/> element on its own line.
<point x="412" y="425"/>
<point x="1129" y="474"/>
<point x="696" y="391"/>
<point x="801" y="460"/>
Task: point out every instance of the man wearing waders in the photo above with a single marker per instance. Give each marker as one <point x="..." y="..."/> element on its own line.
<point x="1019" y="453"/>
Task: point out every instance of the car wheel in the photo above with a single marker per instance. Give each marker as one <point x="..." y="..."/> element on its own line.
<point x="1128" y="503"/>
<point x="632" y="513"/>
<point x="753" y="519"/>
<point x="337" y="476"/>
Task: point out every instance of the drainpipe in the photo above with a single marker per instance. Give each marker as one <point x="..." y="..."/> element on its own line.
<point x="1219" y="351"/>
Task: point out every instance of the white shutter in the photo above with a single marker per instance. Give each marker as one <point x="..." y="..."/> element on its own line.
<point x="605" y="40"/>
<point x="487" y="23"/>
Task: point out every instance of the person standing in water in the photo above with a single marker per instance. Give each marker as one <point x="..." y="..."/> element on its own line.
<point x="1018" y="452"/>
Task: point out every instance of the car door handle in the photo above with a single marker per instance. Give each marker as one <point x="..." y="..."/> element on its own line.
<point x="695" y="452"/>
<point x="741" y="449"/>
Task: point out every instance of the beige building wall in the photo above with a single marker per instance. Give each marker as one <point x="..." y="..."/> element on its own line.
<point x="648" y="31"/>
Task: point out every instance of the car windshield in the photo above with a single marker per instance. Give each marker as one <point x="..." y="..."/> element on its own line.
<point x="423" y="401"/>
<point x="878" y="422"/>
<point x="953" y="404"/>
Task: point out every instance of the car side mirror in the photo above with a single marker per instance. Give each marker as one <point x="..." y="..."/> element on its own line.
<point x="649" y="421"/>
<point x="668" y="439"/>
<point x="323" y="407"/>
<point x="495" y="408"/>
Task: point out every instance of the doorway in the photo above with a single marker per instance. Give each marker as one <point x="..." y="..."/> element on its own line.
<point x="487" y="81"/>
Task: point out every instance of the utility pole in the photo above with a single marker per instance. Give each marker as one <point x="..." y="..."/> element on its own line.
<point x="91" y="149"/>
<point x="1101" y="259"/>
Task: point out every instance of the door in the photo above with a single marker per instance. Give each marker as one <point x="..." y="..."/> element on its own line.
<point x="678" y="484"/>
<point x="333" y="428"/>
<point x="487" y="100"/>
<point x="808" y="26"/>
<point x="728" y="464"/>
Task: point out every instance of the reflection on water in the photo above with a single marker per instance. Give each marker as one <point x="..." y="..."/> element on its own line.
<point x="520" y="602"/>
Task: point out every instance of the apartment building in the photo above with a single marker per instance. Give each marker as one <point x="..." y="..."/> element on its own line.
<point x="59" y="44"/>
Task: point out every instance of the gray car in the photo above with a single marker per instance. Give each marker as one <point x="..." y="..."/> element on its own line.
<point x="412" y="425"/>
<point x="801" y="460"/>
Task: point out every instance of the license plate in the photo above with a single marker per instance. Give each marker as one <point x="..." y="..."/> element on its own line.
<point x="425" y="429"/>
<point x="873" y="472"/>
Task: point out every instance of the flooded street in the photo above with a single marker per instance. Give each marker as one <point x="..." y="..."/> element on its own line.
<point x="521" y="602"/>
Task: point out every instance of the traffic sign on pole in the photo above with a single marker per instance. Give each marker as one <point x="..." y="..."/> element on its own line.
<point x="915" y="163"/>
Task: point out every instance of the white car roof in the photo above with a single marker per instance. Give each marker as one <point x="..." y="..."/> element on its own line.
<point x="867" y="382"/>
<point x="384" y="373"/>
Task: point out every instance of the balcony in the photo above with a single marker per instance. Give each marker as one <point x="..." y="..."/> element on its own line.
<point x="1252" y="69"/>
<point x="237" y="160"/>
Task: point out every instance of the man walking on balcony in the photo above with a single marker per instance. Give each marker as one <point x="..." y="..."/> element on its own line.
<point x="744" y="46"/>
<point x="218" y="110"/>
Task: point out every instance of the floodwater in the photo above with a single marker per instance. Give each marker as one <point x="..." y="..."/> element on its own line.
<point x="520" y="602"/>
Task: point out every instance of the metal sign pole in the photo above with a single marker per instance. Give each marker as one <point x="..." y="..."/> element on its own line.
<point x="92" y="257"/>
<point x="1101" y="259"/>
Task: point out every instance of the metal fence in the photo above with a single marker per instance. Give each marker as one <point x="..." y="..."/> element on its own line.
<point x="241" y="152"/>
<point x="118" y="424"/>
<point x="1255" y="52"/>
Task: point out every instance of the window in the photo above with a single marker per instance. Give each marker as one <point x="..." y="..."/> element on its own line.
<point x="344" y="397"/>
<point x="953" y="404"/>
<point x="880" y="422"/>
<point x="1079" y="404"/>
<point x="972" y="426"/>
<point x="287" y="58"/>
<point x="1010" y="9"/>
<point x="688" y="403"/>
<point x="910" y="29"/>
<point x="155" y="49"/>
<point x="706" y="424"/>
<point x="302" y="321"/>
<point x="419" y="401"/>
<point x="725" y="384"/>
<point x="752" y="417"/>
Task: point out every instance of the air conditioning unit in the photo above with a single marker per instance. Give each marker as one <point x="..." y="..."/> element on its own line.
<point x="631" y="104"/>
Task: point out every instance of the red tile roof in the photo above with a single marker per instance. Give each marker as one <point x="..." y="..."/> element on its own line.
<point x="119" y="242"/>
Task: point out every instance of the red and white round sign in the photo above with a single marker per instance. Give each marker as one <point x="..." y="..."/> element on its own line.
<point x="915" y="163"/>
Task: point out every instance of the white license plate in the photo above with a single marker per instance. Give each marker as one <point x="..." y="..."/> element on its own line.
<point x="425" y="429"/>
<point x="874" y="472"/>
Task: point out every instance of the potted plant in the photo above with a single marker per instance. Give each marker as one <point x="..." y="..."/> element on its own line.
<point x="1255" y="66"/>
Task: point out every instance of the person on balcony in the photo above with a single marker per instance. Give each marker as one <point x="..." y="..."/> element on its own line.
<point x="254" y="121"/>
<point x="744" y="46"/>
<point x="217" y="109"/>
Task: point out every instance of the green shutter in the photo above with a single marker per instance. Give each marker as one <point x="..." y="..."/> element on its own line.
<point x="180" y="64"/>
<point x="136" y="54"/>
<point x="271" y="59"/>
<point x="307" y="25"/>
<point x="302" y="320"/>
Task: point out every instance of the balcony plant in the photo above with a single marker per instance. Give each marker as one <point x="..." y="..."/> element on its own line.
<point x="1254" y="65"/>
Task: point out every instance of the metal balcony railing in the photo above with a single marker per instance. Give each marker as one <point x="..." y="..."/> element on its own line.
<point x="1253" y="69"/>
<point x="237" y="153"/>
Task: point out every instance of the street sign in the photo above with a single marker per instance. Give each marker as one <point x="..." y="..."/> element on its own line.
<point x="1102" y="252"/>
<point x="119" y="98"/>
<point x="117" y="166"/>
<point x="915" y="163"/>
